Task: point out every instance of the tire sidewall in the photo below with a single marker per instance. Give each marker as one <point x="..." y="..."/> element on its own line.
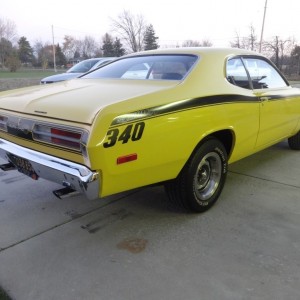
<point x="294" y="141"/>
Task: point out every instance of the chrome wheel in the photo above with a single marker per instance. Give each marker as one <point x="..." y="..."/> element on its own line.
<point x="208" y="176"/>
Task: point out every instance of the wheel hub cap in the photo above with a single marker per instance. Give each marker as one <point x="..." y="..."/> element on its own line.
<point x="208" y="176"/>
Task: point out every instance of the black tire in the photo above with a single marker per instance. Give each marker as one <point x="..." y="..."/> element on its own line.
<point x="201" y="181"/>
<point x="294" y="141"/>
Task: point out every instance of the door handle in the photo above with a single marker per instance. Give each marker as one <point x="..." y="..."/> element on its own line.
<point x="265" y="98"/>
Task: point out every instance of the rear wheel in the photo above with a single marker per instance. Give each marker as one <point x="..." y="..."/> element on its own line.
<point x="201" y="181"/>
<point x="294" y="141"/>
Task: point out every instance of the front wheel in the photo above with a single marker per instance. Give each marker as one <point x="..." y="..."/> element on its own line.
<point x="201" y="181"/>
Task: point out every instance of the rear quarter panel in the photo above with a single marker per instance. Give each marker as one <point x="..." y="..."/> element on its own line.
<point x="169" y="137"/>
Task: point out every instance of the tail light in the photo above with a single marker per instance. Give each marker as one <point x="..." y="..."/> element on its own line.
<point x="65" y="138"/>
<point x="60" y="136"/>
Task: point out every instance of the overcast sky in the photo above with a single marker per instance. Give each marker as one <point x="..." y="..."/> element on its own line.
<point x="173" y="21"/>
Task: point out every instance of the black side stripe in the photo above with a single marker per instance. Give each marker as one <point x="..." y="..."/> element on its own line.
<point x="181" y="106"/>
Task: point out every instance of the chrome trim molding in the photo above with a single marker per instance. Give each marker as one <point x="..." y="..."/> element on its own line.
<point x="78" y="177"/>
<point x="27" y="129"/>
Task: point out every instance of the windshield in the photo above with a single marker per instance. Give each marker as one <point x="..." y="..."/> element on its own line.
<point x="168" y="67"/>
<point x="83" y="66"/>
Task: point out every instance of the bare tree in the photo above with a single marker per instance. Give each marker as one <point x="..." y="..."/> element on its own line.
<point x="251" y="40"/>
<point x="69" y="46"/>
<point x="8" y="30"/>
<point x="89" y="47"/>
<point x="86" y="47"/>
<point x="247" y="42"/>
<point x="278" y="49"/>
<point x="44" y="53"/>
<point x="131" y="29"/>
<point x="206" y="43"/>
<point x="6" y="48"/>
<point x="193" y="43"/>
<point x="8" y="36"/>
<point x="237" y="43"/>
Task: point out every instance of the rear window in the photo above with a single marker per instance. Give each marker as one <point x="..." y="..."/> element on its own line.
<point x="165" y="67"/>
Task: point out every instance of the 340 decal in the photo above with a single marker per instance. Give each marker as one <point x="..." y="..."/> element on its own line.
<point x="132" y="132"/>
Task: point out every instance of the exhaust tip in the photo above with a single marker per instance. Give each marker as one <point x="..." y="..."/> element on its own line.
<point x="65" y="193"/>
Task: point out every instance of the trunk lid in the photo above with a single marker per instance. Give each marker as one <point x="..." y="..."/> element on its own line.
<point x="77" y="100"/>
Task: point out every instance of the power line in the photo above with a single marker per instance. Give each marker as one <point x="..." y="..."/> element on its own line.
<point x="53" y="46"/>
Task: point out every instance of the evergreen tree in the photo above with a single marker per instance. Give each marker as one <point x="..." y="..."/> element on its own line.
<point x="25" y="51"/>
<point x="295" y="58"/>
<point x="118" y="48"/>
<point x="59" y="56"/>
<point x="108" y="46"/>
<point x="150" y="39"/>
<point x="76" y="54"/>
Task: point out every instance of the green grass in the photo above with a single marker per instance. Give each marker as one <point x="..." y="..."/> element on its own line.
<point x="28" y="73"/>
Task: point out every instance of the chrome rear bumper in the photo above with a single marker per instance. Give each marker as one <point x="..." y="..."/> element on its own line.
<point x="73" y="175"/>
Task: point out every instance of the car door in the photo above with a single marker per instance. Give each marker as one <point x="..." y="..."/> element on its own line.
<point x="278" y="101"/>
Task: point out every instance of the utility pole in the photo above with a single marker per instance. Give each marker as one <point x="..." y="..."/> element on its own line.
<point x="53" y="46"/>
<point x="263" y="26"/>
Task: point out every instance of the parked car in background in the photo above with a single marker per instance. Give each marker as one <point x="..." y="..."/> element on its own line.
<point x="175" y="117"/>
<point x="78" y="69"/>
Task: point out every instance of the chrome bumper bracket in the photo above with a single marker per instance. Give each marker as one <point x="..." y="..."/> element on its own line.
<point x="7" y="167"/>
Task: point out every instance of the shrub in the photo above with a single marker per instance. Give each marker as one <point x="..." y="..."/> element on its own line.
<point x="13" y="63"/>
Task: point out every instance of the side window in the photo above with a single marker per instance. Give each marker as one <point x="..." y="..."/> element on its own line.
<point x="236" y="73"/>
<point x="263" y="75"/>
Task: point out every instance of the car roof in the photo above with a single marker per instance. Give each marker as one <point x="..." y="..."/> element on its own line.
<point x="197" y="51"/>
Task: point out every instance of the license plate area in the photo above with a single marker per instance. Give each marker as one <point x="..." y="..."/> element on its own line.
<point x="23" y="166"/>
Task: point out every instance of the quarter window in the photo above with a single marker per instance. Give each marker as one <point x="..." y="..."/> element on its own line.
<point x="263" y="75"/>
<point x="236" y="73"/>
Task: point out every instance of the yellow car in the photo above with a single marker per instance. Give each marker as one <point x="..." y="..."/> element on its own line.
<point x="173" y="116"/>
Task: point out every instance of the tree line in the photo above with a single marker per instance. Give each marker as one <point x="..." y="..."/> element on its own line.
<point x="131" y="34"/>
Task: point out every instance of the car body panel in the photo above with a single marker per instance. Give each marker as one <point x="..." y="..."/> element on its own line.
<point x="279" y="114"/>
<point x="157" y="122"/>
<point x="168" y="161"/>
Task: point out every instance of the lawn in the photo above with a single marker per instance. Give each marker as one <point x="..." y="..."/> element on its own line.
<point x="23" y="78"/>
<point x="28" y="73"/>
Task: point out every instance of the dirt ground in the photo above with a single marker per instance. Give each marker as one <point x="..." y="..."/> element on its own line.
<point x="9" y="84"/>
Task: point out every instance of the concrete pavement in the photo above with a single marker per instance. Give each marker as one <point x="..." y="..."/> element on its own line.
<point x="134" y="246"/>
